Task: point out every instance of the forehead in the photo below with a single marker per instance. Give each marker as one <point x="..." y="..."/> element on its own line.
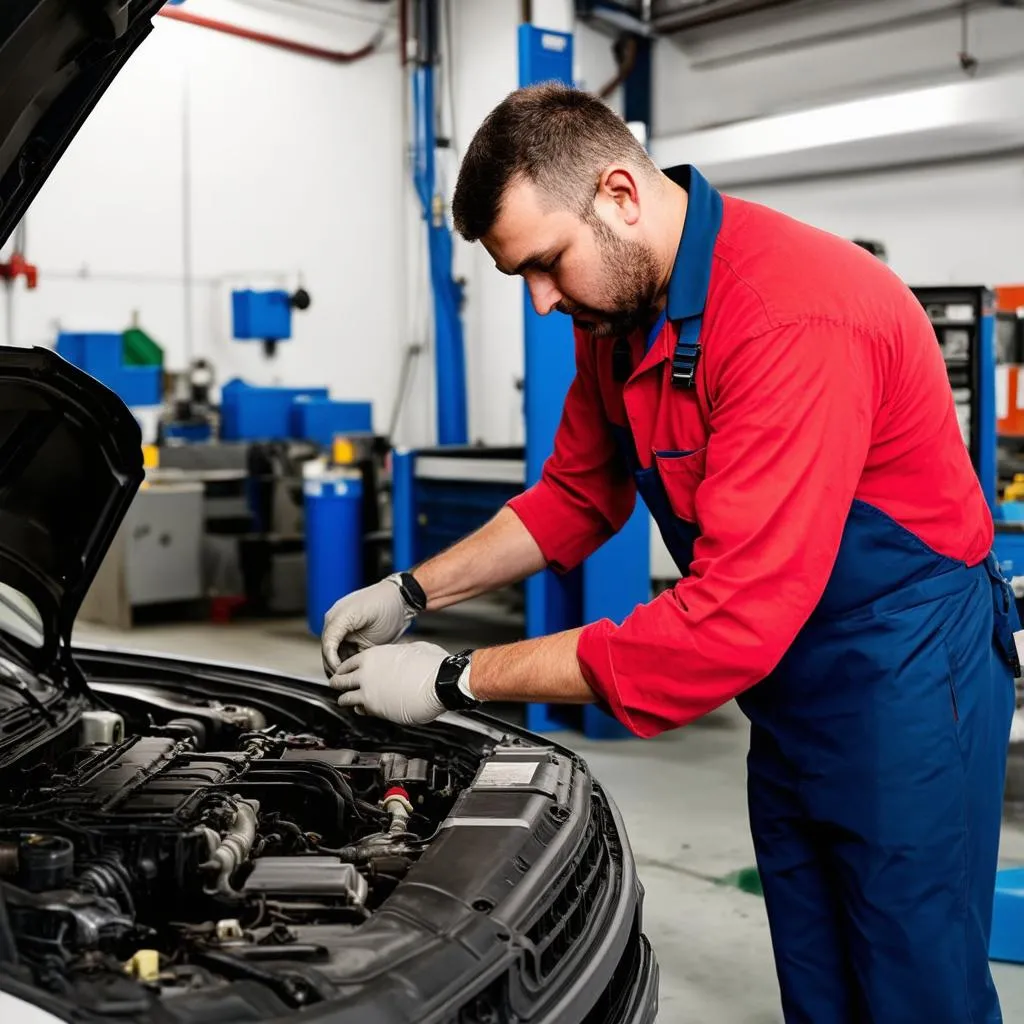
<point x="527" y="224"/>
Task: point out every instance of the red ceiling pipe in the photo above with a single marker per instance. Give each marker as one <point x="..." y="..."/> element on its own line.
<point x="334" y="56"/>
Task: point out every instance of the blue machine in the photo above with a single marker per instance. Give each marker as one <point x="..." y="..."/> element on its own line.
<point x="102" y="357"/>
<point x="616" y="578"/>
<point x="440" y="495"/>
<point x="334" y="541"/>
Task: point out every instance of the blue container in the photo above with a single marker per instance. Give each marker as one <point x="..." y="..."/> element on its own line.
<point x="100" y="355"/>
<point x="259" y="414"/>
<point x="1007" y="941"/>
<point x="138" y="385"/>
<point x="1009" y="548"/>
<point x="320" y="419"/>
<point x="193" y="432"/>
<point x="334" y="541"/>
<point x="261" y="316"/>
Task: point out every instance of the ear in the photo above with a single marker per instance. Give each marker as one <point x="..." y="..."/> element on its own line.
<point x="617" y="187"/>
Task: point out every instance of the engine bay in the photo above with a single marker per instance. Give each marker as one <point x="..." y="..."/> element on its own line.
<point x="176" y="842"/>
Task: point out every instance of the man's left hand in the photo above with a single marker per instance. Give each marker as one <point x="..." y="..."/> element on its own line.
<point x="393" y="681"/>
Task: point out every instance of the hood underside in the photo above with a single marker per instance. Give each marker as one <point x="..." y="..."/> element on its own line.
<point x="70" y="464"/>
<point x="57" y="57"/>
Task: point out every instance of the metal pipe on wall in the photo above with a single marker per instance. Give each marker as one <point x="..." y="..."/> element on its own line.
<point x="268" y="39"/>
<point x="449" y="346"/>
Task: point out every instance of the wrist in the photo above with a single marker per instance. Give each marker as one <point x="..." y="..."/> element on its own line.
<point x="463" y="680"/>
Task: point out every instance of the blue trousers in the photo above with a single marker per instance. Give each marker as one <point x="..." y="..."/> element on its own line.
<point x="876" y="774"/>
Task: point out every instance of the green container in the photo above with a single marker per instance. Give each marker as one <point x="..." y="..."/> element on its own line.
<point x="139" y="349"/>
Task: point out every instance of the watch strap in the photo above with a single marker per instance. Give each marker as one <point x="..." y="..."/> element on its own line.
<point x="446" y="684"/>
<point x="412" y="593"/>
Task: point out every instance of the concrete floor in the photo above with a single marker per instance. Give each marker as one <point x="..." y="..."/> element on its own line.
<point x="682" y="796"/>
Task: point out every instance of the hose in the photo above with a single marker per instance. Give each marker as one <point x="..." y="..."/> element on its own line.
<point x="108" y="876"/>
<point x="234" y="848"/>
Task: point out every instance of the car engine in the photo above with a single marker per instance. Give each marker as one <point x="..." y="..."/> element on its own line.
<point x="176" y="840"/>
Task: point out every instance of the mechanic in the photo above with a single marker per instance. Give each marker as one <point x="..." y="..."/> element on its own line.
<point x="777" y="398"/>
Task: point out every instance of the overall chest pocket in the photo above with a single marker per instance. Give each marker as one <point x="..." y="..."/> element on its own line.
<point x="681" y="474"/>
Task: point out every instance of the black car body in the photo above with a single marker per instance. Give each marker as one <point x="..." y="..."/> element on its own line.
<point x="185" y="841"/>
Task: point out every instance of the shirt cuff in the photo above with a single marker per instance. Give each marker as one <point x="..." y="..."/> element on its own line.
<point x="593" y="653"/>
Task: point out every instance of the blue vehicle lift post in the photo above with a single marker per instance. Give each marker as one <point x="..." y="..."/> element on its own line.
<point x="616" y="578"/>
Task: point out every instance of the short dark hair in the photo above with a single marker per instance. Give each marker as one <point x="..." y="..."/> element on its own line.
<point x="559" y="138"/>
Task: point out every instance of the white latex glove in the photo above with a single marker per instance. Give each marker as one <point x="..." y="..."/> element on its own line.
<point x="364" y="618"/>
<point x="395" y="682"/>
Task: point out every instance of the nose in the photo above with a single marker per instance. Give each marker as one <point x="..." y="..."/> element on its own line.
<point x="543" y="293"/>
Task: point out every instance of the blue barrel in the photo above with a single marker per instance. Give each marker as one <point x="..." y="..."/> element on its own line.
<point x="334" y="541"/>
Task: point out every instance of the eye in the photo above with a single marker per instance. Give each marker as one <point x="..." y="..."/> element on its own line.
<point x="552" y="265"/>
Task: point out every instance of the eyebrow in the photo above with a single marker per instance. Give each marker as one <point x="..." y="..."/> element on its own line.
<point x="535" y="262"/>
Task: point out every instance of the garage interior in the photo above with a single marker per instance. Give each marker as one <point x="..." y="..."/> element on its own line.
<point x="249" y="243"/>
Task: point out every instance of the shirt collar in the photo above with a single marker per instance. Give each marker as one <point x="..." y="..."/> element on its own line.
<point x="691" y="272"/>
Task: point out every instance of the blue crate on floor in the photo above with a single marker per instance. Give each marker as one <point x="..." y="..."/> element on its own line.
<point x="1007" y="941"/>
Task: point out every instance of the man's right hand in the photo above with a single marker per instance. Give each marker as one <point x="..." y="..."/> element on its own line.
<point x="379" y="614"/>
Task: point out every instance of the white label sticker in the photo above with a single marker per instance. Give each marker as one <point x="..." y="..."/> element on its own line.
<point x="1003" y="392"/>
<point x="960" y="313"/>
<point x="550" y="41"/>
<point x="507" y="774"/>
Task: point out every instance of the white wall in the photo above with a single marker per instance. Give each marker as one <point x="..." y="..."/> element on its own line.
<point x="296" y="167"/>
<point x="959" y="222"/>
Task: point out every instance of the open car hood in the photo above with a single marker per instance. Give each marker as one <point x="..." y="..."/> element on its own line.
<point x="70" y="464"/>
<point x="56" y="59"/>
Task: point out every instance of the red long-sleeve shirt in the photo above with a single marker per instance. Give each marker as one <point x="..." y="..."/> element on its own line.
<point x="820" y="382"/>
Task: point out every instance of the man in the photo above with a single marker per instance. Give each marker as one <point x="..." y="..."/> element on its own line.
<point x="777" y="398"/>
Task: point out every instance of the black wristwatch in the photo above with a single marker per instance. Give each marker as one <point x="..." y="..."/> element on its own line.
<point x="412" y="593"/>
<point x="446" y="685"/>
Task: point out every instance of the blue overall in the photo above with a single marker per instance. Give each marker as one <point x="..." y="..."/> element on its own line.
<point x="877" y="752"/>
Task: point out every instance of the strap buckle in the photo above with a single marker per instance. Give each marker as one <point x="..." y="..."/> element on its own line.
<point x="684" y="364"/>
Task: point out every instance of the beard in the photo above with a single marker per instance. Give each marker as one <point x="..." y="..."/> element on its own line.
<point x="630" y="271"/>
